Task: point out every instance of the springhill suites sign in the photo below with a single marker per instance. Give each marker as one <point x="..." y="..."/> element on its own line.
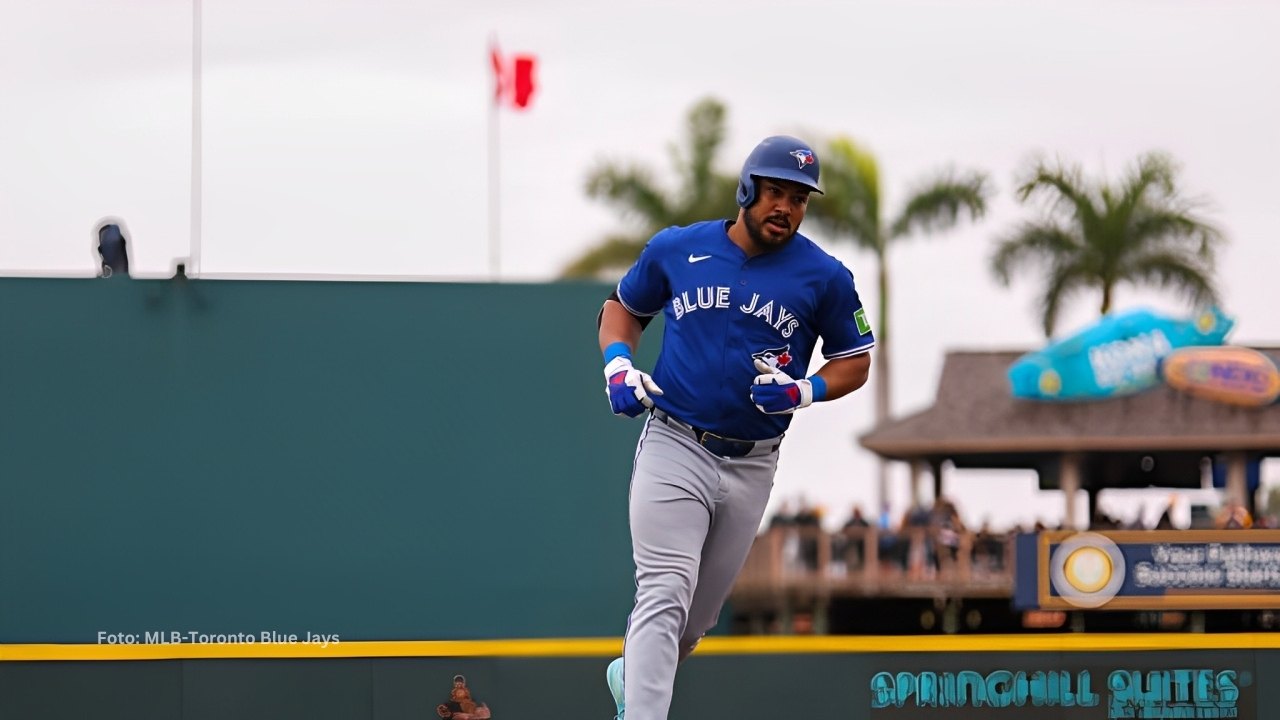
<point x="1126" y="693"/>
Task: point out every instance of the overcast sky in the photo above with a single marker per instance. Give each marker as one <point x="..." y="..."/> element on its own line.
<point x="349" y="138"/>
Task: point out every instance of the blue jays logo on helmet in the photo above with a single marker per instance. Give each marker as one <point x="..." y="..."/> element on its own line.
<point x="804" y="156"/>
<point x="780" y="157"/>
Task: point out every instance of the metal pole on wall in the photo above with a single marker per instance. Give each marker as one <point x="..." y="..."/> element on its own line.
<point x="494" y="206"/>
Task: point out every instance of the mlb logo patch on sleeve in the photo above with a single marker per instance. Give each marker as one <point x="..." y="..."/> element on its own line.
<point x="860" y="317"/>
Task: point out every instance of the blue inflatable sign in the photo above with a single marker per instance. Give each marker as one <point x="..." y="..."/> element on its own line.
<point x="1118" y="355"/>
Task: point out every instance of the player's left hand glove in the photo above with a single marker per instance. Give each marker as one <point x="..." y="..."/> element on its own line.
<point x="628" y="388"/>
<point x="777" y="393"/>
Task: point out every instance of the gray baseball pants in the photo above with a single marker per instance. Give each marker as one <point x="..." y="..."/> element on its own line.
<point x="693" y="518"/>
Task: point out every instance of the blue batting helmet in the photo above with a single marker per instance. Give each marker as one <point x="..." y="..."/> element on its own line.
<point x="780" y="157"/>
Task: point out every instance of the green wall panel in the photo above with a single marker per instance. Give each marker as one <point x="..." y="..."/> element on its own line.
<point x="96" y="691"/>
<point x="373" y="460"/>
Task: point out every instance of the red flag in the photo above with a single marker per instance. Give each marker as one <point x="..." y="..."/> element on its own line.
<point x="513" y="83"/>
<point x="523" y="86"/>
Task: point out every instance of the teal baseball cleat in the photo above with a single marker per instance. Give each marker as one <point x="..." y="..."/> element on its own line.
<point x="614" y="676"/>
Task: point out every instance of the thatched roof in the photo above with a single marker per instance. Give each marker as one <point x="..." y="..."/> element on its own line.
<point x="976" y="414"/>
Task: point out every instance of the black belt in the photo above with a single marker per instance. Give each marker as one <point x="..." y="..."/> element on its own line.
<point x="717" y="444"/>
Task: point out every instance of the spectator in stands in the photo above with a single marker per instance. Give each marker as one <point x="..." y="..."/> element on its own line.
<point x="809" y="521"/>
<point x="850" y="541"/>
<point x="988" y="548"/>
<point x="886" y="518"/>
<point x="1233" y="516"/>
<point x="946" y="527"/>
<point x="783" y="517"/>
<point x="888" y="539"/>
<point x="856" y="519"/>
<point x="916" y="516"/>
<point x="914" y="544"/>
<point x="808" y="515"/>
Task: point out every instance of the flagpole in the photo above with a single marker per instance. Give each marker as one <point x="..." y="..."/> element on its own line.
<point x="197" y="153"/>
<point x="493" y="190"/>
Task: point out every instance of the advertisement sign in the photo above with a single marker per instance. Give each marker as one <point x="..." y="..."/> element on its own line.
<point x="1148" y="570"/>
<point x="1082" y="686"/>
<point x="1230" y="374"/>
<point x="1118" y="355"/>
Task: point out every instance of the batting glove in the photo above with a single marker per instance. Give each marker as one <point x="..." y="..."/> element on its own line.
<point x="628" y="388"/>
<point x="777" y="393"/>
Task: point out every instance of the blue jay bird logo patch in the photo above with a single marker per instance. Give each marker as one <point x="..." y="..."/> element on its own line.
<point x="775" y="357"/>
<point x="804" y="157"/>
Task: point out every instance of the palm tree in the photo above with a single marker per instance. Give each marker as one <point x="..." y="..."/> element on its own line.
<point x="1097" y="235"/>
<point x="851" y="208"/>
<point x="702" y="193"/>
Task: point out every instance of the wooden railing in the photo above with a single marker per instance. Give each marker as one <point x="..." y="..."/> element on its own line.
<point x="864" y="562"/>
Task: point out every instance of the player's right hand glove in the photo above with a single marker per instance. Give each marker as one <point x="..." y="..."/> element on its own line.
<point x="777" y="393"/>
<point x="628" y="388"/>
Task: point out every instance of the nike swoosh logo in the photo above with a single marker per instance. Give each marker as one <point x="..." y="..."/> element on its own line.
<point x="697" y="258"/>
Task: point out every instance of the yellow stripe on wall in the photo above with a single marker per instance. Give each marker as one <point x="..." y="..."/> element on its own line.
<point x="608" y="647"/>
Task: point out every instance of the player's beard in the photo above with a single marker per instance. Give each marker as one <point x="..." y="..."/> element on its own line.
<point x="764" y="236"/>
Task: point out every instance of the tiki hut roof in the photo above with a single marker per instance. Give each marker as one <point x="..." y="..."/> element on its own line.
<point x="976" y="415"/>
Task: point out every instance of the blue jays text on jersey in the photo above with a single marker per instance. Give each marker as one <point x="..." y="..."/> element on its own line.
<point x="718" y="298"/>
<point x="723" y="309"/>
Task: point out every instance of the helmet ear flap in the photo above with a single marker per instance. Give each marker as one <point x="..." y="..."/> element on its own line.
<point x="746" y="190"/>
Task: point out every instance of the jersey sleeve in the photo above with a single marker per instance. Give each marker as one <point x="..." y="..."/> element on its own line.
<point x="842" y="321"/>
<point x="645" y="288"/>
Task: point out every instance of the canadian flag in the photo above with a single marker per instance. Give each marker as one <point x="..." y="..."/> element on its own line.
<point x="513" y="78"/>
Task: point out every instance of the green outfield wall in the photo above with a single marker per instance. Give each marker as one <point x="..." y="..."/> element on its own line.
<point x="372" y="460"/>
<point x="224" y="499"/>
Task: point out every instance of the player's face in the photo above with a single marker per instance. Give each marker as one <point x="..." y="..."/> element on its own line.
<point x="777" y="212"/>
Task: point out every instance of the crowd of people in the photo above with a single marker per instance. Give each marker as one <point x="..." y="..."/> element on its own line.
<point x="927" y="537"/>
<point x="1233" y="515"/>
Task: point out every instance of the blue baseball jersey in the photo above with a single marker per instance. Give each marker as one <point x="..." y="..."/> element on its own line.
<point x="722" y="310"/>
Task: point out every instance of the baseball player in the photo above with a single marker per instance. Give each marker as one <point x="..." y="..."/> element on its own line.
<point x="744" y="304"/>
